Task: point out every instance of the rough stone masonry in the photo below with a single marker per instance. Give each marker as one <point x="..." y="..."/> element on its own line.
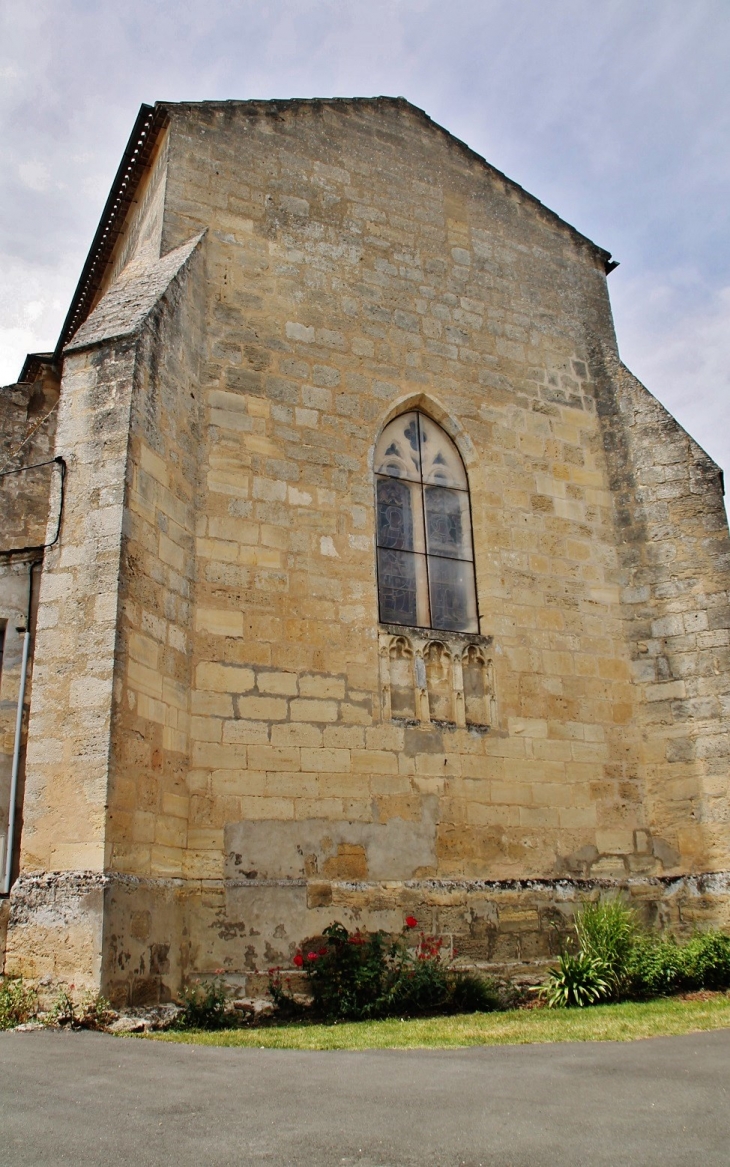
<point x="228" y="744"/>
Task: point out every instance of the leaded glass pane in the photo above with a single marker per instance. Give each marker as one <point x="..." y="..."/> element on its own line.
<point x="402" y="587"/>
<point x="423" y="506"/>
<point x="448" y="527"/>
<point x="453" y="602"/>
<point x="397" y="453"/>
<point x="399" y="515"/>
<point x="440" y="460"/>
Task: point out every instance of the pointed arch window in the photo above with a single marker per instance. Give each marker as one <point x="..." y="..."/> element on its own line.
<point x="423" y="528"/>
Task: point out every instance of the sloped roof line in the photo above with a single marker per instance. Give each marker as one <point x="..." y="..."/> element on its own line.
<point x="151" y="119"/>
<point x="284" y="103"/>
<point x="126" y="305"/>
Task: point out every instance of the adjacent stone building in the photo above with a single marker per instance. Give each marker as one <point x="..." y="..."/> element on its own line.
<point x="381" y="586"/>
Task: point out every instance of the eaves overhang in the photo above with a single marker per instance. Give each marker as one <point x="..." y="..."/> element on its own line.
<point x="150" y="120"/>
<point x="33" y="366"/>
<point x="142" y="140"/>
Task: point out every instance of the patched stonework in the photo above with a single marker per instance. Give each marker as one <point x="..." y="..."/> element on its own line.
<point x="381" y="586"/>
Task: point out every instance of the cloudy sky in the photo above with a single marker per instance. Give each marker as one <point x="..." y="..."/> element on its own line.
<point x="615" y="113"/>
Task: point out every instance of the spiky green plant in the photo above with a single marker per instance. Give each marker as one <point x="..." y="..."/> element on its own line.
<point x="608" y="931"/>
<point x="578" y="980"/>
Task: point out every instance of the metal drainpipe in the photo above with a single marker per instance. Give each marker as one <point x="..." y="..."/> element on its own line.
<point x="18" y="737"/>
<point x="61" y="462"/>
<point x="16" y="766"/>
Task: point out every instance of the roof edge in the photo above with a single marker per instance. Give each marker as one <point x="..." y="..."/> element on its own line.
<point x="125" y="307"/>
<point x="283" y="103"/>
<point x="149" y="121"/>
<point x="32" y="366"/>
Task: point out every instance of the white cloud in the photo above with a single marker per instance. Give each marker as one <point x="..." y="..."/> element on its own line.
<point x="34" y="175"/>
<point x="683" y="357"/>
<point x="615" y="115"/>
<point x="33" y="300"/>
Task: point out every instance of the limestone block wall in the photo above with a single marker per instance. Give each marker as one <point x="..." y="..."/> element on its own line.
<point x="149" y="803"/>
<point x="675" y="554"/>
<point x="275" y="758"/>
<point x="361" y="264"/>
<point x="354" y="272"/>
<point x="152" y="849"/>
<point x="27" y="429"/>
<point x="142" y="229"/>
<point x="67" y="759"/>
<point x="83" y="790"/>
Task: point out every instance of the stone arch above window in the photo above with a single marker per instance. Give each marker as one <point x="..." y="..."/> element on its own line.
<point x="423" y="528"/>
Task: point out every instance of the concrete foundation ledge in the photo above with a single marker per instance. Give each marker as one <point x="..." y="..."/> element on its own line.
<point x="140" y="939"/>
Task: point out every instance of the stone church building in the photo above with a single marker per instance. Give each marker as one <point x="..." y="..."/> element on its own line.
<point x="346" y="572"/>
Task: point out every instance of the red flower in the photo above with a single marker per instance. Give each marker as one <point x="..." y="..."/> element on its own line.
<point x="312" y="956"/>
<point x="323" y="952"/>
<point x="299" y="960"/>
<point x="411" y="922"/>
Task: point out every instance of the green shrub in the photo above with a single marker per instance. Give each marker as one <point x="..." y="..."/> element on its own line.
<point x="18" y="1002"/>
<point x="204" y="1007"/>
<point x="658" y="967"/>
<point x="607" y="932"/>
<point x="470" y="993"/>
<point x="578" y="980"/>
<point x="655" y="968"/>
<point x="707" y="961"/>
<point x="637" y="963"/>
<point x="347" y="976"/>
<point x="358" y="975"/>
<point x="413" y="987"/>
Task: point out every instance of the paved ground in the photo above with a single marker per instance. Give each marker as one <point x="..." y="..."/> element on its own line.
<point x="91" y="1100"/>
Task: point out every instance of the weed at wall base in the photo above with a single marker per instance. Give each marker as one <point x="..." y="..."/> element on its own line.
<point x="618" y="960"/>
<point x="18" y="1002"/>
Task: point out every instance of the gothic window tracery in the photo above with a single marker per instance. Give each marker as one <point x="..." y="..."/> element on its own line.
<point x="424" y="540"/>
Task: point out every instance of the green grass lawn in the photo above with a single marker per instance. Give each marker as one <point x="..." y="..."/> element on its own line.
<point x="625" y="1022"/>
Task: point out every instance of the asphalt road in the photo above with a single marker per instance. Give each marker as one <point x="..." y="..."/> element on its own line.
<point x="90" y="1099"/>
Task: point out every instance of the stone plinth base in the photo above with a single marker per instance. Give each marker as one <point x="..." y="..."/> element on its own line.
<point x="140" y="940"/>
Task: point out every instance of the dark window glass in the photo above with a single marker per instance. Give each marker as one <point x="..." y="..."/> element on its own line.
<point x="397" y="582"/>
<point x="395" y="514"/>
<point x="447" y="516"/>
<point x="452" y="596"/>
<point x="423" y="526"/>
